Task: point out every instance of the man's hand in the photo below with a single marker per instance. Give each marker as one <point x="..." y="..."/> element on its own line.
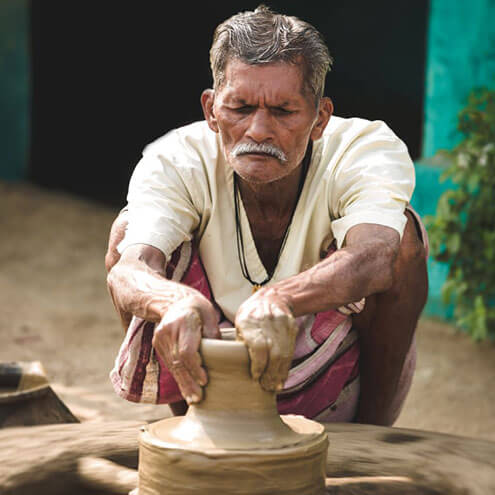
<point x="138" y="286"/>
<point x="267" y="326"/>
<point x="177" y="338"/>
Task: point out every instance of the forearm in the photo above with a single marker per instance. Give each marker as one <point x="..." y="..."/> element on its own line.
<point x="142" y="290"/>
<point x="346" y="276"/>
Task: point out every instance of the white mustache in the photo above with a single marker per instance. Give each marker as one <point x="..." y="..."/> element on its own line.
<point x="265" y="148"/>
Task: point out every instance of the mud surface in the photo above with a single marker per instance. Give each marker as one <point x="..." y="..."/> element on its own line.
<point x="55" y="308"/>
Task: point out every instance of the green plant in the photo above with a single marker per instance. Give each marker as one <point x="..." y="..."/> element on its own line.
<point x="462" y="232"/>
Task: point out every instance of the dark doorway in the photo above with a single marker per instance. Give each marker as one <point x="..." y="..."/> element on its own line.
<point x="109" y="77"/>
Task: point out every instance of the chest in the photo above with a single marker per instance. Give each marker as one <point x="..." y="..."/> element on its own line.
<point x="262" y="243"/>
<point x="269" y="235"/>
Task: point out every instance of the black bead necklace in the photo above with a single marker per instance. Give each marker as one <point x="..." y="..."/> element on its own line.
<point x="238" y="228"/>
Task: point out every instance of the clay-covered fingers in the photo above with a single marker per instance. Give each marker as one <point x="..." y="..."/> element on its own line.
<point x="258" y="347"/>
<point x="187" y="353"/>
<point x="283" y="336"/>
<point x="177" y="338"/>
<point x="250" y="330"/>
<point x="209" y="319"/>
<point x="268" y="328"/>
<point x="272" y="376"/>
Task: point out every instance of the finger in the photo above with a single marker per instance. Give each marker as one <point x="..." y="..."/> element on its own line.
<point x="188" y="348"/>
<point x="210" y="325"/>
<point x="189" y="388"/>
<point x="283" y="373"/>
<point x="166" y="343"/>
<point x="285" y="330"/>
<point x="271" y="377"/>
<point x="193" y="364"/>
<point x="274" y="380"/>
<point x="258" y="355"/>
<point x="278" y="361"/>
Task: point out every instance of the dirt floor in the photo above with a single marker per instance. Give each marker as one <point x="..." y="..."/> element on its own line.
<point x="54" y="308"/>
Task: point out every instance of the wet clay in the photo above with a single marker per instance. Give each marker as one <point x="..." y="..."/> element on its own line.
<point x="233" y="441"/>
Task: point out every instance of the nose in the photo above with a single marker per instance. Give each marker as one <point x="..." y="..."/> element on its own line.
<point x="260" y="127"/>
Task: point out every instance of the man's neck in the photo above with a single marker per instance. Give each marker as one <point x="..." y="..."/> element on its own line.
<point x="277" y="198"/>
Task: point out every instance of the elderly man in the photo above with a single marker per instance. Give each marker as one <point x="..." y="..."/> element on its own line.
<point x="282" y="219"/>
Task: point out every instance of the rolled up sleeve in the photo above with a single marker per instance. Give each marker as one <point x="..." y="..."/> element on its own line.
<point x="372" y="182"/>
<point x="160" y="208"/>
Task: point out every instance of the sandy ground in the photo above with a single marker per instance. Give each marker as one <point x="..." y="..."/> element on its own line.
<point x="54" y="308"/>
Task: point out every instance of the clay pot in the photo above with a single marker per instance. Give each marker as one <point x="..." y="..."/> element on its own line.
<point x="26" y="397"/>
<point x="233" y="441"/>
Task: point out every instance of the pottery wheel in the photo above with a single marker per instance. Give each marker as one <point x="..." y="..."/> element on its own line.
<point x="233" y="441"/>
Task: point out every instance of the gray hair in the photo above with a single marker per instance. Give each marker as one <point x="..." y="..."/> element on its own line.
<point x="263" y="37"/>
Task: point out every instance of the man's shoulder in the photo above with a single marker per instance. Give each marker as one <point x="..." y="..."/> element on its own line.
<point x="195" y="139"/>
<point x="344" y="136"/>
<point x="352" y="127"/>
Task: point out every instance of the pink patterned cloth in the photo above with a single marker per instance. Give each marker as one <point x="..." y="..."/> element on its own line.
<point x="323" y="381"/>
<point x="325" y="359"/>
<point x="139" y="374"/>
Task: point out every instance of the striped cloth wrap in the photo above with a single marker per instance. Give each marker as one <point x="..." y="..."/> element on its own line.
<point x="323" y="381"/>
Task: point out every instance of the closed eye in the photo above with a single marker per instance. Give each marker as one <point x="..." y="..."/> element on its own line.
<point x="244" y="109"/>
<point x="281" y="111"/>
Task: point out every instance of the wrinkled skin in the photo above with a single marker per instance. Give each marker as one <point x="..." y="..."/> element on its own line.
<point x="267" y="326"/>
<point x="137" y="285"/>
<point x="177" y="338"/>
<point x="266" y="105"/>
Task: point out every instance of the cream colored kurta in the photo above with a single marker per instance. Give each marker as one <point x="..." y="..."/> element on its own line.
<point x="360" y="172"/>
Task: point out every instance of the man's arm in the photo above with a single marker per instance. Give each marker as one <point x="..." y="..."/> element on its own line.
<point x="363" y="267"/>
<point x="138" y="286"/>
<point x="266" y="320"/>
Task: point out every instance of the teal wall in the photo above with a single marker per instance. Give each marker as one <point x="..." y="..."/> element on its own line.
<point x="14" y="89"/>
<point x="428" y="191"/>
<point x="460" y="56"/>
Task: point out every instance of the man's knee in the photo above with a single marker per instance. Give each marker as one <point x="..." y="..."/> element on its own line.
<point x="405" y="299"/>
<point x="412" y="247"/>
<point x="117" y="233"/>
<point x="410" y="273"/>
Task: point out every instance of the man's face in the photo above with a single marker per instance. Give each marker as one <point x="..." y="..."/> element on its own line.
<point x="265" y="119"/>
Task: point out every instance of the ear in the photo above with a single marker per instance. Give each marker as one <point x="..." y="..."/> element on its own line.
<point x="207" y="102"/>
<point x="325" y="110"/>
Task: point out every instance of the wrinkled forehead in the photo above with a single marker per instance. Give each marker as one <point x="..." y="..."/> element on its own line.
<point x="279" y="77"/>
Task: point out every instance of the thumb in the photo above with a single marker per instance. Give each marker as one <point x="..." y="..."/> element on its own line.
<point x="210" y="325"/>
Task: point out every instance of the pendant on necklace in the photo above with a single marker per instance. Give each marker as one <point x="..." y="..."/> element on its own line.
<point x="256" y="287"/>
